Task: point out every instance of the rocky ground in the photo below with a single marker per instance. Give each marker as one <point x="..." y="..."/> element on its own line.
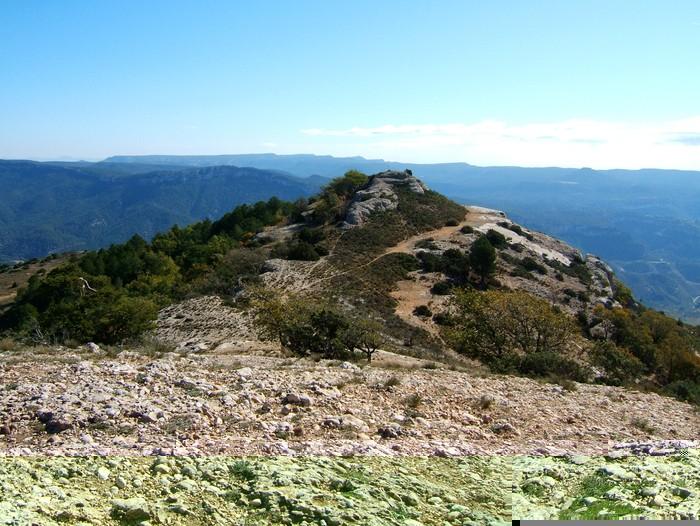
<point x="662" y="485"/>
<point x="247" y="400"/>
<point x="255" y="491"/>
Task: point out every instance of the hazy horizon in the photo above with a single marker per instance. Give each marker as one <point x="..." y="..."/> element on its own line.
<point x="572" y="84"/>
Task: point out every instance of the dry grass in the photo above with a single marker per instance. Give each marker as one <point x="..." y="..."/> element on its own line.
<point x="9" y="345"/>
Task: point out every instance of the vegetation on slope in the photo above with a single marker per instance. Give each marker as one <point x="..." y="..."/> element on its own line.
<point x="48" y="207"/>
<point x="114" y="294"/>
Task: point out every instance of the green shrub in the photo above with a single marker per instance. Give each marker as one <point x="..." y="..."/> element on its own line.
<point x="455" y="264"/>
<point x="686" y="390"/>
<point x="423" y="311"/>
<point x="427" y="244"/>
<point x="466" y="229"/>
<point x="311" y="235"/>
<point x="429" y="261"/>
<point x="492" y="325"/>
<point x="443" y="318"/>
<point x="620" y="366"/>
<point x="545" y="364"/>
<point x="302" y="251"/>
<point x="517" y="229"/>
<point x="441" y="288"/>
<point x="496" y="239"/>
<point x="531" y="265"/>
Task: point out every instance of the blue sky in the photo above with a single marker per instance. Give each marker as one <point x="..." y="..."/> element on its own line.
<point x="571" y="83"/>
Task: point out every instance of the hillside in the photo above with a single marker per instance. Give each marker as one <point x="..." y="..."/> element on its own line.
<point x="381" y="259"/>
<point x="58" y="207"/>
<point x="291" y="352"/>
<point x="644" y="223"/>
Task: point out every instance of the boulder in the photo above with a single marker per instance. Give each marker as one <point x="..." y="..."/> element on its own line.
<point x="133" y="509"/>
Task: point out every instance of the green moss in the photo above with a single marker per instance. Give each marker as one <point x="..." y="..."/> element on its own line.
<point x="596" y="486"/>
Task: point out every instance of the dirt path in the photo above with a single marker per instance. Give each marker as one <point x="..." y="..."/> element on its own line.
<point x="411" y="293"/>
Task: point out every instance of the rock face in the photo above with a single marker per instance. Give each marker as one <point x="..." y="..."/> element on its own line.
<point x="603" y="281"/>
<point x="380" y="195"/>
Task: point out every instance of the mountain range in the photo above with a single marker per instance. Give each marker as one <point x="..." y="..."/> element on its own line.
<point x="645" y="223"/>
<point x="58" y="207"/>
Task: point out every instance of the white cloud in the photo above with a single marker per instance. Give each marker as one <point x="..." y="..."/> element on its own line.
<point x="575" y="142"/>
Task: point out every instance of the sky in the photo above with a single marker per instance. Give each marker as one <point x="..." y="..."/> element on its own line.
<point x="596" y="83"/>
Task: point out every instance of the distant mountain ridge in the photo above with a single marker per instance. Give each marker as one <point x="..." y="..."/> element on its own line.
<point x="645" y="223"/>
<point x="57" y="207"/>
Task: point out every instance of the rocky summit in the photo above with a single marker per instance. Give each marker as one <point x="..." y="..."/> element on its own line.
<point x="380" y="195"/>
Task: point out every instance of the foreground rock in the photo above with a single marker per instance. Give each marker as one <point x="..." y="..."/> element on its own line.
<point x="262" y="491"/>
<point x="240" y="401"/>
<point x="633" y="487"/>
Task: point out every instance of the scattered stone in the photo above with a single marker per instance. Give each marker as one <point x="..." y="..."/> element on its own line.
<point x="616" y="472"/>
<point x="296" y="399"/>
<point x="683" y="493"/>
<point x="133" y="509"/>
<point x="503" y="427"/>
<point x="92" y="347"/>
<point x="649" y="491"/>
<point x="244" y="373"/>
<point x="658" y="501"/>
<point x="390" y="431"/>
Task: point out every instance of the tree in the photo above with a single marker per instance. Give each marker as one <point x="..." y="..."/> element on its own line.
<point x="494" y="325"/>
<point x="365" y="335"/>
<point x="620" y="366"/>
<point x="281" y="319"/>
<point x="126" y="318"/>
<point x="482" y="259"/>
<point x="327" y="327"/>
<point x="496" y="239"/>
<point x="347" y="185"/>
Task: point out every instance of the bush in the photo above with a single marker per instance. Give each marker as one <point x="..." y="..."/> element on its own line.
<point x="496" y="239"/>
<point x="302" y="251"/>
<point x="620" y="366"/>
<point x="466" y="229"/>
<point x="455" y="264"/>
<point x="531" y="265"/>
<point x="517" y="229"/>
<point x="451" y="222"/>
<point x="430" y="262"/>
<point x="441" y="288"/>
<point x="305" y="327"/>
<point x="427" y="244"/>
<point x="311" y="235"/>
<point x="492" y="325"/>
<point x="443" y="318"/>
<point x="548" y="364"/>
<point x="423" y="311"/>
<point x="686" y="390"/>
